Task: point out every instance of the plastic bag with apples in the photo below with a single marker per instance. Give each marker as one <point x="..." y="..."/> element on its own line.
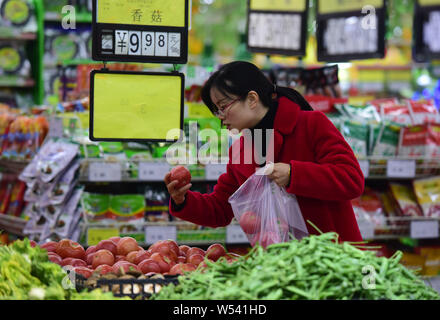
<point x="266" y="212"/>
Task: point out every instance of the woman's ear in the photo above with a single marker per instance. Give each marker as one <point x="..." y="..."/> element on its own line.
<point x="253" y="99"/>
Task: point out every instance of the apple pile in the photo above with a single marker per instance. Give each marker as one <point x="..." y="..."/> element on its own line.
<point x="122" y="255"/>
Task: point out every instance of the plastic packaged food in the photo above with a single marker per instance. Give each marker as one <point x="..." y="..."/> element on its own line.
<point x="368" y="207"/>
<point x="428" y="195"/>
<point x="51" y="160"/>
<point x="127" y="207"/>
<point x="406" y="200"/>
<point x="61" y="187"/>
<point x="420" y="141"/>
<point x="356" y="134"/>
<point x="95" y="206"/>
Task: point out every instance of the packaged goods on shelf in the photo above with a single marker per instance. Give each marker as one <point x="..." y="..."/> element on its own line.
<point x="368" y="208"/>
<point x="405" y="200"/>
<point x="420" y="141"/>
<point x="356" y="134"/>
<point x="413" y="262"/>
<point x="431" y="256"/>
<point x="52" y="194"/>
<point x="127" y="207"/>
<point x="14" y="60"/>
<point x="423" y="112"/>
<point x="157" y="204"/>
<point x="11" y="195"/>
<point x="323" y="103"/>
<point x="398" y="113"/>
<point x="384" y="139"/>
<point x="95" y="206"/>
<point x="21" y="136"/>
<point x="64" y="45"/>
<point x="427" y="192"/>
<point x="17" y="17"/>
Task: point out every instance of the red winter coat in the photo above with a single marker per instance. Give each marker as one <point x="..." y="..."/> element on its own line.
<point x="325" y="175"/>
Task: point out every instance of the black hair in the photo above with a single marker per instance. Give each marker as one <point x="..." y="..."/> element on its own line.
<point x="238" y="78"/>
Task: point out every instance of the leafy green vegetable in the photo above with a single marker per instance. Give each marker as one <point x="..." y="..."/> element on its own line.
<point x="317" y="267"/>
<point x="27" y="274"/>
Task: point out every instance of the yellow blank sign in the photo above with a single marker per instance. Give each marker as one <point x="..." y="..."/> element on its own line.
<point x="135" y="106"/>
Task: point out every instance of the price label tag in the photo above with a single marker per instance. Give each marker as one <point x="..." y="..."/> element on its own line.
<point x="424" y="229"/>
<point x="94" y="235"/>
<point x="99" y="171"/>
<point x="365" y="167"/>
<point x="234" y="234"/>
<point x="367" y="230"/>
<point x="277" y="26"/>
<point x="141" y="30"/>
<point x="157" y="233"/>
<point x="214" y="171"/>
<point x="401" y="168"/>
<point x="152" y="171"/>
<point x="56" y="128"/>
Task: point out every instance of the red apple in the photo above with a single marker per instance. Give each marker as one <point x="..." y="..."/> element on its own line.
<point x="181" y="174"/>
<point x="107" y="245"/>
<point x="250" y="222"/>
<point x="215" y="251"/>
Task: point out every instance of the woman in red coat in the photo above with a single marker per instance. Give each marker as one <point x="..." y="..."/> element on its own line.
<point x="311" y="158"/>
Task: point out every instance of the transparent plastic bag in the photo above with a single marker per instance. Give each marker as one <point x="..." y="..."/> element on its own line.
<point x="266" y="212"/>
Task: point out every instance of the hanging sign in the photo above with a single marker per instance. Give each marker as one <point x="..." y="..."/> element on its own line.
<point x="277" y="26"/>
<point x="350" y="30"/>
<point x="426" y="30"/>
<point x="136" y="106"/>
<point x="146" y="31"/>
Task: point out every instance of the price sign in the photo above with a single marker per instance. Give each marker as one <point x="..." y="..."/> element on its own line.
<point x="214" y="171"/>
<point x="94" y="235"/>
<point x="136" y="106"/>
<point x="349" y="30"/>
<point x="367" y="229"/>
<point x="424" y="229"/>
<point x="365" y="167"/>
<point x="157" y="233"/>
<point x="277" y="26"/>
<point x="141" y="31"/>
<point x="100" y="172"/>
<point x="56" y="128"/>
<point x="153" y="171"/>
<point x="401" y="168"/>
<point x="234" y="234"/>
<point x="426" y="30"/>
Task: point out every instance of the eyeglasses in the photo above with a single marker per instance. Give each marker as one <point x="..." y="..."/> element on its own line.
<point x="221" y="112"/>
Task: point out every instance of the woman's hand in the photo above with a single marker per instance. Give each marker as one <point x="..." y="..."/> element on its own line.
<point x="178" y="195"/>
<point x="280" y="174"/>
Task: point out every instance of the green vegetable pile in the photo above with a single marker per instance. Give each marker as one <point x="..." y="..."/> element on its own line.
<point x="27" y="274"/>
<point x="317" y="267"/>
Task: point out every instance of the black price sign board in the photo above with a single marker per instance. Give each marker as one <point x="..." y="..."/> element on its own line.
<point x="426" y="30"/>
<point x="350" y="29"/>
<point x="277" y="26"/>
<point x="145" y="31"/>
<point x="136" y="106"/>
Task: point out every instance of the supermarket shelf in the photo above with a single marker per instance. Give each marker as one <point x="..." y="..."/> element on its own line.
<point x="18" y="82"/>
<point x="12" y="166"/>
<point x="81" y="17"/>
<point x="100" y="170"/>
<point x="390" y="228"/>
<point x="181" y="231"/>
<point x="28" y="36"/>
<point x="12" y="224"/>
<point x="378" y="168"/>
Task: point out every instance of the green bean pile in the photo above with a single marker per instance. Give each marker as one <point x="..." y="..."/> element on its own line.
<point x="317" y="267"/>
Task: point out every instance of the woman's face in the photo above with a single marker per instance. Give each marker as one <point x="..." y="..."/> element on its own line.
<point x="236" y="113"/>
